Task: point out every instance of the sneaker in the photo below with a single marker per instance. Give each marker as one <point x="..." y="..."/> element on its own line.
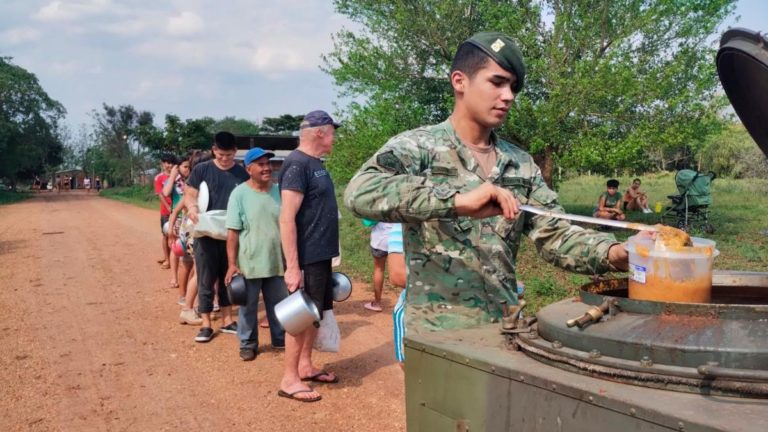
<point x="278" y="347"/>
<point x="205" y="335"/>
<point x="231" y="328"/>
<point x="647" y="211"/>
<point x="182" y="301"/>
<point x="247" y="354"/>
<point x="189" y="316"/>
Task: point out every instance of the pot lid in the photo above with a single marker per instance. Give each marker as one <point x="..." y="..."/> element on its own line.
<point x="742" y="63"/>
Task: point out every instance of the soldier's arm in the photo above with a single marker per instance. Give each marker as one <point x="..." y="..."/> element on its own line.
<point x="567" y="246"/>
<point x="392" y="187"/>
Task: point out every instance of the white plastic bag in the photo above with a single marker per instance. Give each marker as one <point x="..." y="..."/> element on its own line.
<point x="328" y="335"/>
<point x="212" y="224"/>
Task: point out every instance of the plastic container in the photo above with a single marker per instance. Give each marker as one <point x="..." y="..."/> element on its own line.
<point x="683" y="275"/>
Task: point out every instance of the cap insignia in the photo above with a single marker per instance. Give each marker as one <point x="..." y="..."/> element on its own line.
<point x="497" y="46"/>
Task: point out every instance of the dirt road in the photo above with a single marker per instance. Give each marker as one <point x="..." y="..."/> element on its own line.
<point x="90" y="338"/>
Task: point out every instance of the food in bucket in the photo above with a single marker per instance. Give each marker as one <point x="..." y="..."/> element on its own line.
<point x="670" y="238"/>
<point x="669" y="271"/>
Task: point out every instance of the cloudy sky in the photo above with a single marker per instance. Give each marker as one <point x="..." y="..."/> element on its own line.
<point x="245" y="58"/>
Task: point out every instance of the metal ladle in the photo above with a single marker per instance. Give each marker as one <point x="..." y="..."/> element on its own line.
<point x="588" y="219"/>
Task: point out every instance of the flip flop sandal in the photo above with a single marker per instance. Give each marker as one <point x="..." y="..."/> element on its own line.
<point x="372" y="307"/>
<point x="293" y="395"/>
<point x="316" y="378"/>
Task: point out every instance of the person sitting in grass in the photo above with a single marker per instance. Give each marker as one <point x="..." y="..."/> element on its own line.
<point x="609" y="203"/>
<point x="635" y="199"/>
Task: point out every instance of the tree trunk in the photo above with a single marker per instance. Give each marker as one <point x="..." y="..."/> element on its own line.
<point x="546" y="162"/>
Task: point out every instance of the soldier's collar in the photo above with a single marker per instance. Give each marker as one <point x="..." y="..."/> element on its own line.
<point x="456" y="141"/>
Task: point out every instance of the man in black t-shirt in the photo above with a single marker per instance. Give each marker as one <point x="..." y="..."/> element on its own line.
<point x="309" y="230"/>
<point x="221" y="176"/>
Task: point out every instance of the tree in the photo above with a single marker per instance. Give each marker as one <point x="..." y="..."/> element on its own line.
<point x="29" y="125"/>
<point x="119" y="132"/>
<point x="234" y="125"/>
<point x="608" y="81"/>
<point x="286" y="124"/>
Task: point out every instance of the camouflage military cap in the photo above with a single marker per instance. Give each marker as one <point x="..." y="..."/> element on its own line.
<point x="503" y="50"/>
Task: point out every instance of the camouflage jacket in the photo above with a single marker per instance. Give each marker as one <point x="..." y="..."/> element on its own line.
<point x="461" y="268"/>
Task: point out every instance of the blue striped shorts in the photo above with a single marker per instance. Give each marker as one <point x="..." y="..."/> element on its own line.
<point x="399" y="327"/>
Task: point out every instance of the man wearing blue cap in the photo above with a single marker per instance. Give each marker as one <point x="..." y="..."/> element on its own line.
<point x="253" y="250"/>
<point x="309" y="227"/>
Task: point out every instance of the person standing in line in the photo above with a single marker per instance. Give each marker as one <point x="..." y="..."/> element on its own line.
<point x="167" y="161"/>
<point x="379" y="238"/>
<point x="221" y="175"/>
<point x="254" y="250"/>
<point x="309" y="229"/>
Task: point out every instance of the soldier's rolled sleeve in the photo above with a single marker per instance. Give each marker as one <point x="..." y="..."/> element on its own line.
<point x="389" y="188"/>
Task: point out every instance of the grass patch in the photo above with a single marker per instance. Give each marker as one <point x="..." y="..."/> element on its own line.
<point x="142" y="196"/>
<point x="10" y="197"/>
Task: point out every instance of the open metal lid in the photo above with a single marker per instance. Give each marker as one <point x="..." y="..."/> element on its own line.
<point x="742" y="63"/>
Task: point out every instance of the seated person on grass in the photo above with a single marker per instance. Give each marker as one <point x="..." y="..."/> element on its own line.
<point x="609" y="203"/>
<point x="635" y="199"/>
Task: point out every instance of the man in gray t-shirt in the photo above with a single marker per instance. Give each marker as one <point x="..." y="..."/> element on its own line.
<point x="309" y="229"/>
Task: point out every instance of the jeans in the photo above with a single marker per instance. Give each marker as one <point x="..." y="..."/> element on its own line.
<point x="274" y="290"/>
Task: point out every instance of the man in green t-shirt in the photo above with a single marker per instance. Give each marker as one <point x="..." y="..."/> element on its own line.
<point x="253" y="250"/>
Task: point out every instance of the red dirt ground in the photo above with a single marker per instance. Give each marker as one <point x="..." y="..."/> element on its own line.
<point x="91" y="339"/>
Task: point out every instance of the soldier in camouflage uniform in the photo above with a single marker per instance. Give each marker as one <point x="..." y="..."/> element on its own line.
<point x="456" y="187"/>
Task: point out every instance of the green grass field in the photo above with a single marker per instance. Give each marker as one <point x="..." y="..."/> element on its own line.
<point x="142" y="196"/>
<point x="8" y="197"/>
<point x="738" y="214"/>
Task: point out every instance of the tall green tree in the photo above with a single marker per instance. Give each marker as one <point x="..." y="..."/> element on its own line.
<point x="611" y="83"/>
<point x="119" y="132"/>
<point x="29" y="125"/>
<point x="285" y="124"/>
<point x="237" y="126"/>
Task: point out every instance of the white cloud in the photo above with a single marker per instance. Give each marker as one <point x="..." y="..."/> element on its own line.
<point x="184" y="24"/>
<point x="158" y="88"/>
<point x="19" y="35"/>
<point x="183" y="52"/>
<point x="71" y="10"/>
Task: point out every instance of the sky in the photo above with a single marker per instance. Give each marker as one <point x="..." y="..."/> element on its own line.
<point x="192" y="58"/>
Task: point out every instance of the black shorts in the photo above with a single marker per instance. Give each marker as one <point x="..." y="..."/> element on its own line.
<point x="378" y="253"/>
<point x="318" y="284"/>
<point x="163" y="220"/>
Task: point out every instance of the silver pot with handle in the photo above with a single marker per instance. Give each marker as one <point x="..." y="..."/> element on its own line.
<point x="342" y="287"/>
<point x="297" y="312"/>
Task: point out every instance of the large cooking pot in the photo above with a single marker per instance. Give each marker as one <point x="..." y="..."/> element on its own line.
<point x="297" y="312"/>
<point x="342" y="287"/>
<point x="236" y="290"/>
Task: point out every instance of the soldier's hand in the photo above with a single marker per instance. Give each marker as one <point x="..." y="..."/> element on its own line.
<point x="619" y="257"/>
<point x="292" y="279"/>
<point x="485" y="201"/>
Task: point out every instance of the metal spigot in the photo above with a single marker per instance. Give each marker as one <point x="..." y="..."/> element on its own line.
<point x="511" y="315"/>
<point x="592" y="315"/>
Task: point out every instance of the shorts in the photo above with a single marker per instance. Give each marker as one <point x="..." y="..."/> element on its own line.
<point x="398" y="319"/>
<point x="318" y="284"/>
<point x="163" y="220"/>
<point x="378" y="253"/>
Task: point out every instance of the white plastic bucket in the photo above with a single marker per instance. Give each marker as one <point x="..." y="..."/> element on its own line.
<point x="683" y="275"/>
